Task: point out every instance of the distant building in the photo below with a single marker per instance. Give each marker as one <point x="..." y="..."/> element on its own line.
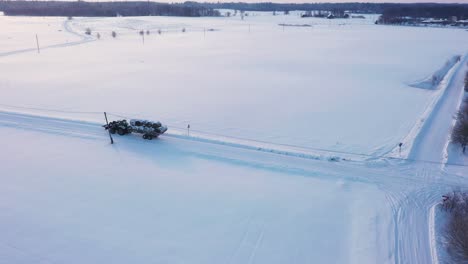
<point x="463" y="23"/>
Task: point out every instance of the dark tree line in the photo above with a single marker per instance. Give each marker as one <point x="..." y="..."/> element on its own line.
<point x="266" y="6"/>
<point x="387" y="9"/>
<point x="391" y="13"/>
<point x="103" y="9"/>
<point x="460" y="130"/>
<point x="416" y="12"/>
<point x="456" y="226"/>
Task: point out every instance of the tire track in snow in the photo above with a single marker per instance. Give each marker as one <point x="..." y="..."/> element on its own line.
<point x="249" y="243"/>
<point x="257" y="244"/>
<point x="241" y="241"/>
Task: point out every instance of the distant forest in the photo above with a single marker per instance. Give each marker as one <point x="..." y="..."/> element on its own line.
<point x="388" y="10"/>
<point x="103" y="9"/>
<point x="391" y="13"/>
<point x="409" y="13"/>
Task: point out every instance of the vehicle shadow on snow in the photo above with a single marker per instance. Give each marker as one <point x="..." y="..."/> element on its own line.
<point x="171" y="153"/>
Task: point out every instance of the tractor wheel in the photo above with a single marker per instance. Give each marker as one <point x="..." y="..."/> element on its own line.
<point x="112" y="130"/>
<point x="121" y="131"/>
<point x="150" y="137"/>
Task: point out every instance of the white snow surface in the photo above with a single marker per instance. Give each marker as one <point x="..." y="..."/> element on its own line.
<point x="339" y="85"/>
<point x="80" y="199"/>
<point x="253" y="183"/>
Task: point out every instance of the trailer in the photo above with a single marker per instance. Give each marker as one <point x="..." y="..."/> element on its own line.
<point x="148" y="129"/>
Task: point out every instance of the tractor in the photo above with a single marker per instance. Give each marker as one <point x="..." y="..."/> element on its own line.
<point x="148" y="129"/>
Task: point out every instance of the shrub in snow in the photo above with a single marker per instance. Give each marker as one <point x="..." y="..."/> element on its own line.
<point x="462" y="115"/>
<point x="456" y="229"/>
<point x="88" y="31"/>
<point x="466" y="82"/>
<point x="460" y="130"/>
<point x="159" y="31"/>
<point x="114" y="34"/>
<point x="460" y="134"/>
<point x="141" y="32"/>
<point x="98" y="36"/>
<point x="147" y="32"/>
<point x="183" y="30"/>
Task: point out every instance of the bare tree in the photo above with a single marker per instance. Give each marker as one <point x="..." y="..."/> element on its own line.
<point x="466" y="82"/>
<point x="456" y="229"/>
<point x="460" y="134"/>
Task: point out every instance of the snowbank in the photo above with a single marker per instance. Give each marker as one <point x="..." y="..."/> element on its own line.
<point x="432" y="82"/>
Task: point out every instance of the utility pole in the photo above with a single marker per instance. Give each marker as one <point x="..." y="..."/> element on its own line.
<point x="107" y="122"/>
<point x="37" y="44"/>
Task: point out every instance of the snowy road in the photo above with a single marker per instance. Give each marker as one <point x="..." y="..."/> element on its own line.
<point x="429" y="151"/>
<point x="431" y="143"/>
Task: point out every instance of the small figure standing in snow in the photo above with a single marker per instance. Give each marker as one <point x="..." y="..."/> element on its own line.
<point x="399" y="145"/>
<point x="188" y="130"/>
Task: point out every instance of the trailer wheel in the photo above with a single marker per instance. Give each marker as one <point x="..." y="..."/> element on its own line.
<point x="120" y="131"/>
<point x="150" y="137"/>
<point x="145" y="136"/>
<point x="112" y="130"/>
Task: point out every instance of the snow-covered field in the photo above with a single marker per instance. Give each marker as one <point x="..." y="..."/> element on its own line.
<point x="254" y="182"/>
<point x="333" y="85"/>
<point x="79" y="200"/>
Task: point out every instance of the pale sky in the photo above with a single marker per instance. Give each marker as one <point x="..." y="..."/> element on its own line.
<point x="299" y="1"/>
